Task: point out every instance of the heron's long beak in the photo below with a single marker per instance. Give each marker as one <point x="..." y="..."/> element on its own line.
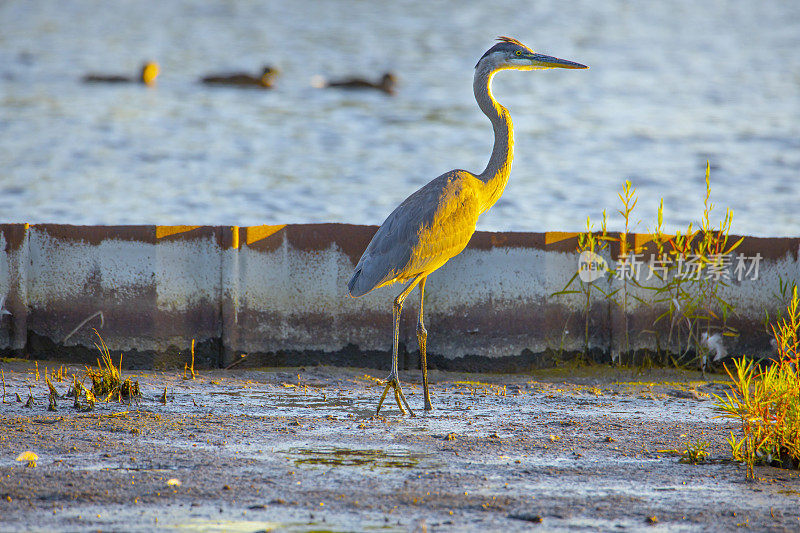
<point x="543" y="61"/>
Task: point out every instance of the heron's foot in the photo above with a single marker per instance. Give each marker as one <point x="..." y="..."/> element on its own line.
<point x="393" y="382"/>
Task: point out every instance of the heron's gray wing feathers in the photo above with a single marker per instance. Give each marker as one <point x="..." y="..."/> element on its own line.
<point x="421" y="234"/>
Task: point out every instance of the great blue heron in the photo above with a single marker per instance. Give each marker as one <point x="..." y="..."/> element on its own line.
<point x="147" y="76"/>
<point x="242" y="79"/>
<point x="436" y="222"/>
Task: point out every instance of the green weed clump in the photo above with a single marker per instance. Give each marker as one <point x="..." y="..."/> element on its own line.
<point x="767" y="402"/>
<point x="84" y="400"/>
<point x="695" y="452"/>
<point x="692" y="453"/>
<point x="107" y="379"/>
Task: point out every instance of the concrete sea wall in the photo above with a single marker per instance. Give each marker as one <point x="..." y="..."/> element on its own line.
<point x="278" y="294"/>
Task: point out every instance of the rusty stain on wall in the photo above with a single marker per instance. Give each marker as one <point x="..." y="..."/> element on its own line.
<point x="278" y="293"/>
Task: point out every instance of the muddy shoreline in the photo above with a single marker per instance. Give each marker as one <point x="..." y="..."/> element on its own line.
<point x="299" y="449"/>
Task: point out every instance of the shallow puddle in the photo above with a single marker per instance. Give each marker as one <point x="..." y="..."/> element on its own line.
<point x="306" y="403"/>
<point x="248" y="526"/>
<point x="229" y="525"/>
<point x="367" y="457"/>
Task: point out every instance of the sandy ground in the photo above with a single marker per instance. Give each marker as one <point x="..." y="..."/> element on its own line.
<point x="301" y="450"/>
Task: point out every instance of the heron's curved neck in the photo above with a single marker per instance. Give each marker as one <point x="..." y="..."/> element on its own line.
<point x="495" y="176"/>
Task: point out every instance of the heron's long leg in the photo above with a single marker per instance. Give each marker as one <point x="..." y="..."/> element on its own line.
<point x="393" y="380"/>
<point x="422" y="338"/>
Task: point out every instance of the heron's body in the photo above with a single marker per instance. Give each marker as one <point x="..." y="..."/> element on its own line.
<point x="428" y="228"/>
<point x="436" y="222"/>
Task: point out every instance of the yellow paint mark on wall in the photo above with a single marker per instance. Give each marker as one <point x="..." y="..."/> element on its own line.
<point x="258" y="233"/>
<point x="552" y="237"/>
<point x="166" y="231"/>
<point x="641" y="239"/>
<point x="234" y="237"/>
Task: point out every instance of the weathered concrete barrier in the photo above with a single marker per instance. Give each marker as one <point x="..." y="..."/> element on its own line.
<point x="278" y="294"/>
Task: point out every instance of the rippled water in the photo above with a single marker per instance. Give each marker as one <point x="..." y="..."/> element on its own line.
<point x="671" y="84"/>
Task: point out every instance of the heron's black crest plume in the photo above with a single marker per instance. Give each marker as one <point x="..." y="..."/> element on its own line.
<point x="511" y="40"/>
<point x="504" y="44"/>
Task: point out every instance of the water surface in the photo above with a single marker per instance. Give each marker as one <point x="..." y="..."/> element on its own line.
<point x="671" y="85"/>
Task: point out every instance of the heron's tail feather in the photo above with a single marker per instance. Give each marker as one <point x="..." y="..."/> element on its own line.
<point x="364" y="279"/>
<point x="355" y="285"/>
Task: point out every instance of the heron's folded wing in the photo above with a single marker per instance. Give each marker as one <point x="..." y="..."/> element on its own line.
<point x="421" y="234"/>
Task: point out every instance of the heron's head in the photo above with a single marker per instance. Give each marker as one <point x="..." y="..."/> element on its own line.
<point x="511" y="54"/>
<point x="149" y="73"/>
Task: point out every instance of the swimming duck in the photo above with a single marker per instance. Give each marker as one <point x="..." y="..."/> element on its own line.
<point x="147" y="76"/>
<point x="387" y="83"/>
<point x="242" y="79"/>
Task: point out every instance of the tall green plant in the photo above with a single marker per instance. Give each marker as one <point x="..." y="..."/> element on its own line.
<point x="594" y="243"/>
<point x="686" y="278"/>
<point x="626" y="260"/>
<point x="690" y="286"/>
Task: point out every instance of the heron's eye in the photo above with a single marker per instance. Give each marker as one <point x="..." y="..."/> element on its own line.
<point x="518" y="52"/>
